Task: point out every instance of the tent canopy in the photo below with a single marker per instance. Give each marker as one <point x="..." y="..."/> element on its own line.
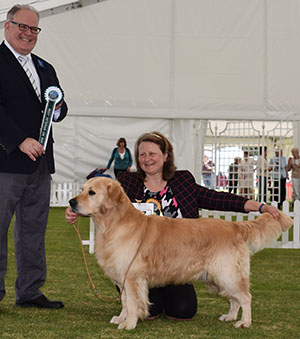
<point x="181" y="59"/>
<point x="136" y="61"/>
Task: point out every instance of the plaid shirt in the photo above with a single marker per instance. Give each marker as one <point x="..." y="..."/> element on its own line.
<point x="189" y="195"/>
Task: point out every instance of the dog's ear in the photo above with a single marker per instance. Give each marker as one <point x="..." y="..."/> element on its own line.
<point x="115" y="195"/>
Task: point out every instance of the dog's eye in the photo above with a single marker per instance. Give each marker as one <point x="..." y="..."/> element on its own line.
<point x="91" y="192"/>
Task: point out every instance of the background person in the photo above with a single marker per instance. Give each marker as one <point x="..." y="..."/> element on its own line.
<point x="246" y="176"/>
<point x="208" y="174"/>
<point x="294" y="166"/>
<point x="262" y="171"/>
<point x="25" y="166"/>
<point x="278" y="168"/>
<point x="234" y="175"/>
<point x="176" y="195"/>
<point x="121" y="155"/>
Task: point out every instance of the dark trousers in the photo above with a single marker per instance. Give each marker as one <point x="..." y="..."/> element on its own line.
<point x="279" y="196"/>
<point x="175" y="301"/>
<point x="282" y="190"/>
<point x="27" y="196"/>
<point x="116" y="171"/>
<point x="232" y="186"/>
<point x="178" y="302"/>
<point x="262" y="189"/>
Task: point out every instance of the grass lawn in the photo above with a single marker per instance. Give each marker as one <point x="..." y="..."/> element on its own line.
<point x="275" y="287"/>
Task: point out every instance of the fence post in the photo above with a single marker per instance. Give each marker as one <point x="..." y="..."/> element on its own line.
<point x="53" y="195"/>
<point x="92" y="237"/>
<point x="296" y="240"/>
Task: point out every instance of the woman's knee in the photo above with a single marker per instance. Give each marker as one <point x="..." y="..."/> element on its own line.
<point x="180" y="302"/>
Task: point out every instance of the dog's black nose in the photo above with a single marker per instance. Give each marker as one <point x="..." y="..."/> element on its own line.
<point x="73" y="204"/>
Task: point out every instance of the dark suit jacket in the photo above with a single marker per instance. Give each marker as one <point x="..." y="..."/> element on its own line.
<point x="189" y="195"/>
<point x="21" y="112"/>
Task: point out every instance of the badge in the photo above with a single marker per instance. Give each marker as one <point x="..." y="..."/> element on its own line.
<point x="53" y="95"/>
<point x="157" y="206"/>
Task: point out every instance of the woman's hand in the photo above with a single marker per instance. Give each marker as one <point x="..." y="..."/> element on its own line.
<point x="270" y="209"/>
<point x="253" y="206"/>
<point x="70" y="216"/>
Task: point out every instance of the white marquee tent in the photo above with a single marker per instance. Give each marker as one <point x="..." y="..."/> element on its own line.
<point x="132" y="66"/>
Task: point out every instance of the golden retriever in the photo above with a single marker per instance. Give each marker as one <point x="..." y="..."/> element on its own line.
<point x="140" y="251"/>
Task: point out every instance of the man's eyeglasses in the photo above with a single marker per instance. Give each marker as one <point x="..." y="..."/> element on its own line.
<point x="25" y="28"/>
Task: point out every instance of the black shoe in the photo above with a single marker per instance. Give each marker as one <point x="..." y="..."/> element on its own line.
<point x="41" y="302"/>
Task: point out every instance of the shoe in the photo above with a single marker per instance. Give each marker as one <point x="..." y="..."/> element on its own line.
<point x="177" y="319"/>
<point x="153" y="317"/>
<point x="40" y="302"/>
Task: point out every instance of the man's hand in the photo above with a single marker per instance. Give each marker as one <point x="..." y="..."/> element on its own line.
<point x="32" y="148"/>
<point x="70" y="216"/>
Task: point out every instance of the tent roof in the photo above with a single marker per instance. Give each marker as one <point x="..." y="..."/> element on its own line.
<point x="139" y="65"/>
<point x="195" y="59"/>
<point x="45" y="7"/>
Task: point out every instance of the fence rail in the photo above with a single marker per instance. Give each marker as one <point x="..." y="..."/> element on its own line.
<point x="288" y="239"/>
<point x="61" y="193"/>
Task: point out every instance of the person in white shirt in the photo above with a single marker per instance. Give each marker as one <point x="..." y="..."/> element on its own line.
<point x="294" y="166"/>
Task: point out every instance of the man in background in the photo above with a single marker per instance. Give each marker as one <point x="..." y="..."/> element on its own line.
<point x="278" y="169"/>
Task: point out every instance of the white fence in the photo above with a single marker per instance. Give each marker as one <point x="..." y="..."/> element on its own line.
<point x="61" y="193"/>
<point x="286" y="240"/>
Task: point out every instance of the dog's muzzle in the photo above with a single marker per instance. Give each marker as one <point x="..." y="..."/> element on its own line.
<point x="73" y="205"/>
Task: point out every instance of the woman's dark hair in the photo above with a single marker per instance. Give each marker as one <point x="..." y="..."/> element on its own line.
<point x="122" y="140"/>
<point x="164" y="145"/>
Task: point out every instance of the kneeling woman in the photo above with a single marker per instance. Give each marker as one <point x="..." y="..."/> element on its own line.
<point x="175" y="194"/>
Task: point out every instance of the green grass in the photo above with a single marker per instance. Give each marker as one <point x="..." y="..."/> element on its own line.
<point x="275" y="287"/>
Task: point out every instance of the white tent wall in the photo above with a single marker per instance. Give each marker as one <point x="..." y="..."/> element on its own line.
<point x="131" y="66"/>
<point x="181" y="59"/>
<point x="188" y="138"/>
<point x="84" y="143"/>
<point x="296" y="130"/>
<point x="87" y="142"/>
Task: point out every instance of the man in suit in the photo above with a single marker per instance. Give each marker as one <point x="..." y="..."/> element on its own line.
<point x="25" y="166"/>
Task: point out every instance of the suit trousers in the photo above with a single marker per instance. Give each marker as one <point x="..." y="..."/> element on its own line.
<point x="28" y="197"/>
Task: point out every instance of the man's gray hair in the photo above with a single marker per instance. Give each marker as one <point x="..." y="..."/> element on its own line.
<point x="16" y="8"/>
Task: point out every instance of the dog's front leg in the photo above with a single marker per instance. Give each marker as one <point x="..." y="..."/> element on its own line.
<point x="136" y="302"/>
<point x="245" y="302"/>
<point x="233" y="311"/>
<point x="123" y="315"/>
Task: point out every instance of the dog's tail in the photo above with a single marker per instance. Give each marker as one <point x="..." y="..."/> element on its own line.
<point x="264" y="230"/>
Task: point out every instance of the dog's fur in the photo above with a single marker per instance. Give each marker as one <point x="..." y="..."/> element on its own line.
<point x="172" y="251"/>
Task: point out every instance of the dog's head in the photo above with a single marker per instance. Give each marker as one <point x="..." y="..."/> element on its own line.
<point x="98" y="195"/>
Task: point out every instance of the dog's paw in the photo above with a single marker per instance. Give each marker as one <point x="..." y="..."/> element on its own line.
<point x="116" y="320"/>
<point x="227" y="317"/>
<point x="242" y="324"/>
<point x="127" y="325"/>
